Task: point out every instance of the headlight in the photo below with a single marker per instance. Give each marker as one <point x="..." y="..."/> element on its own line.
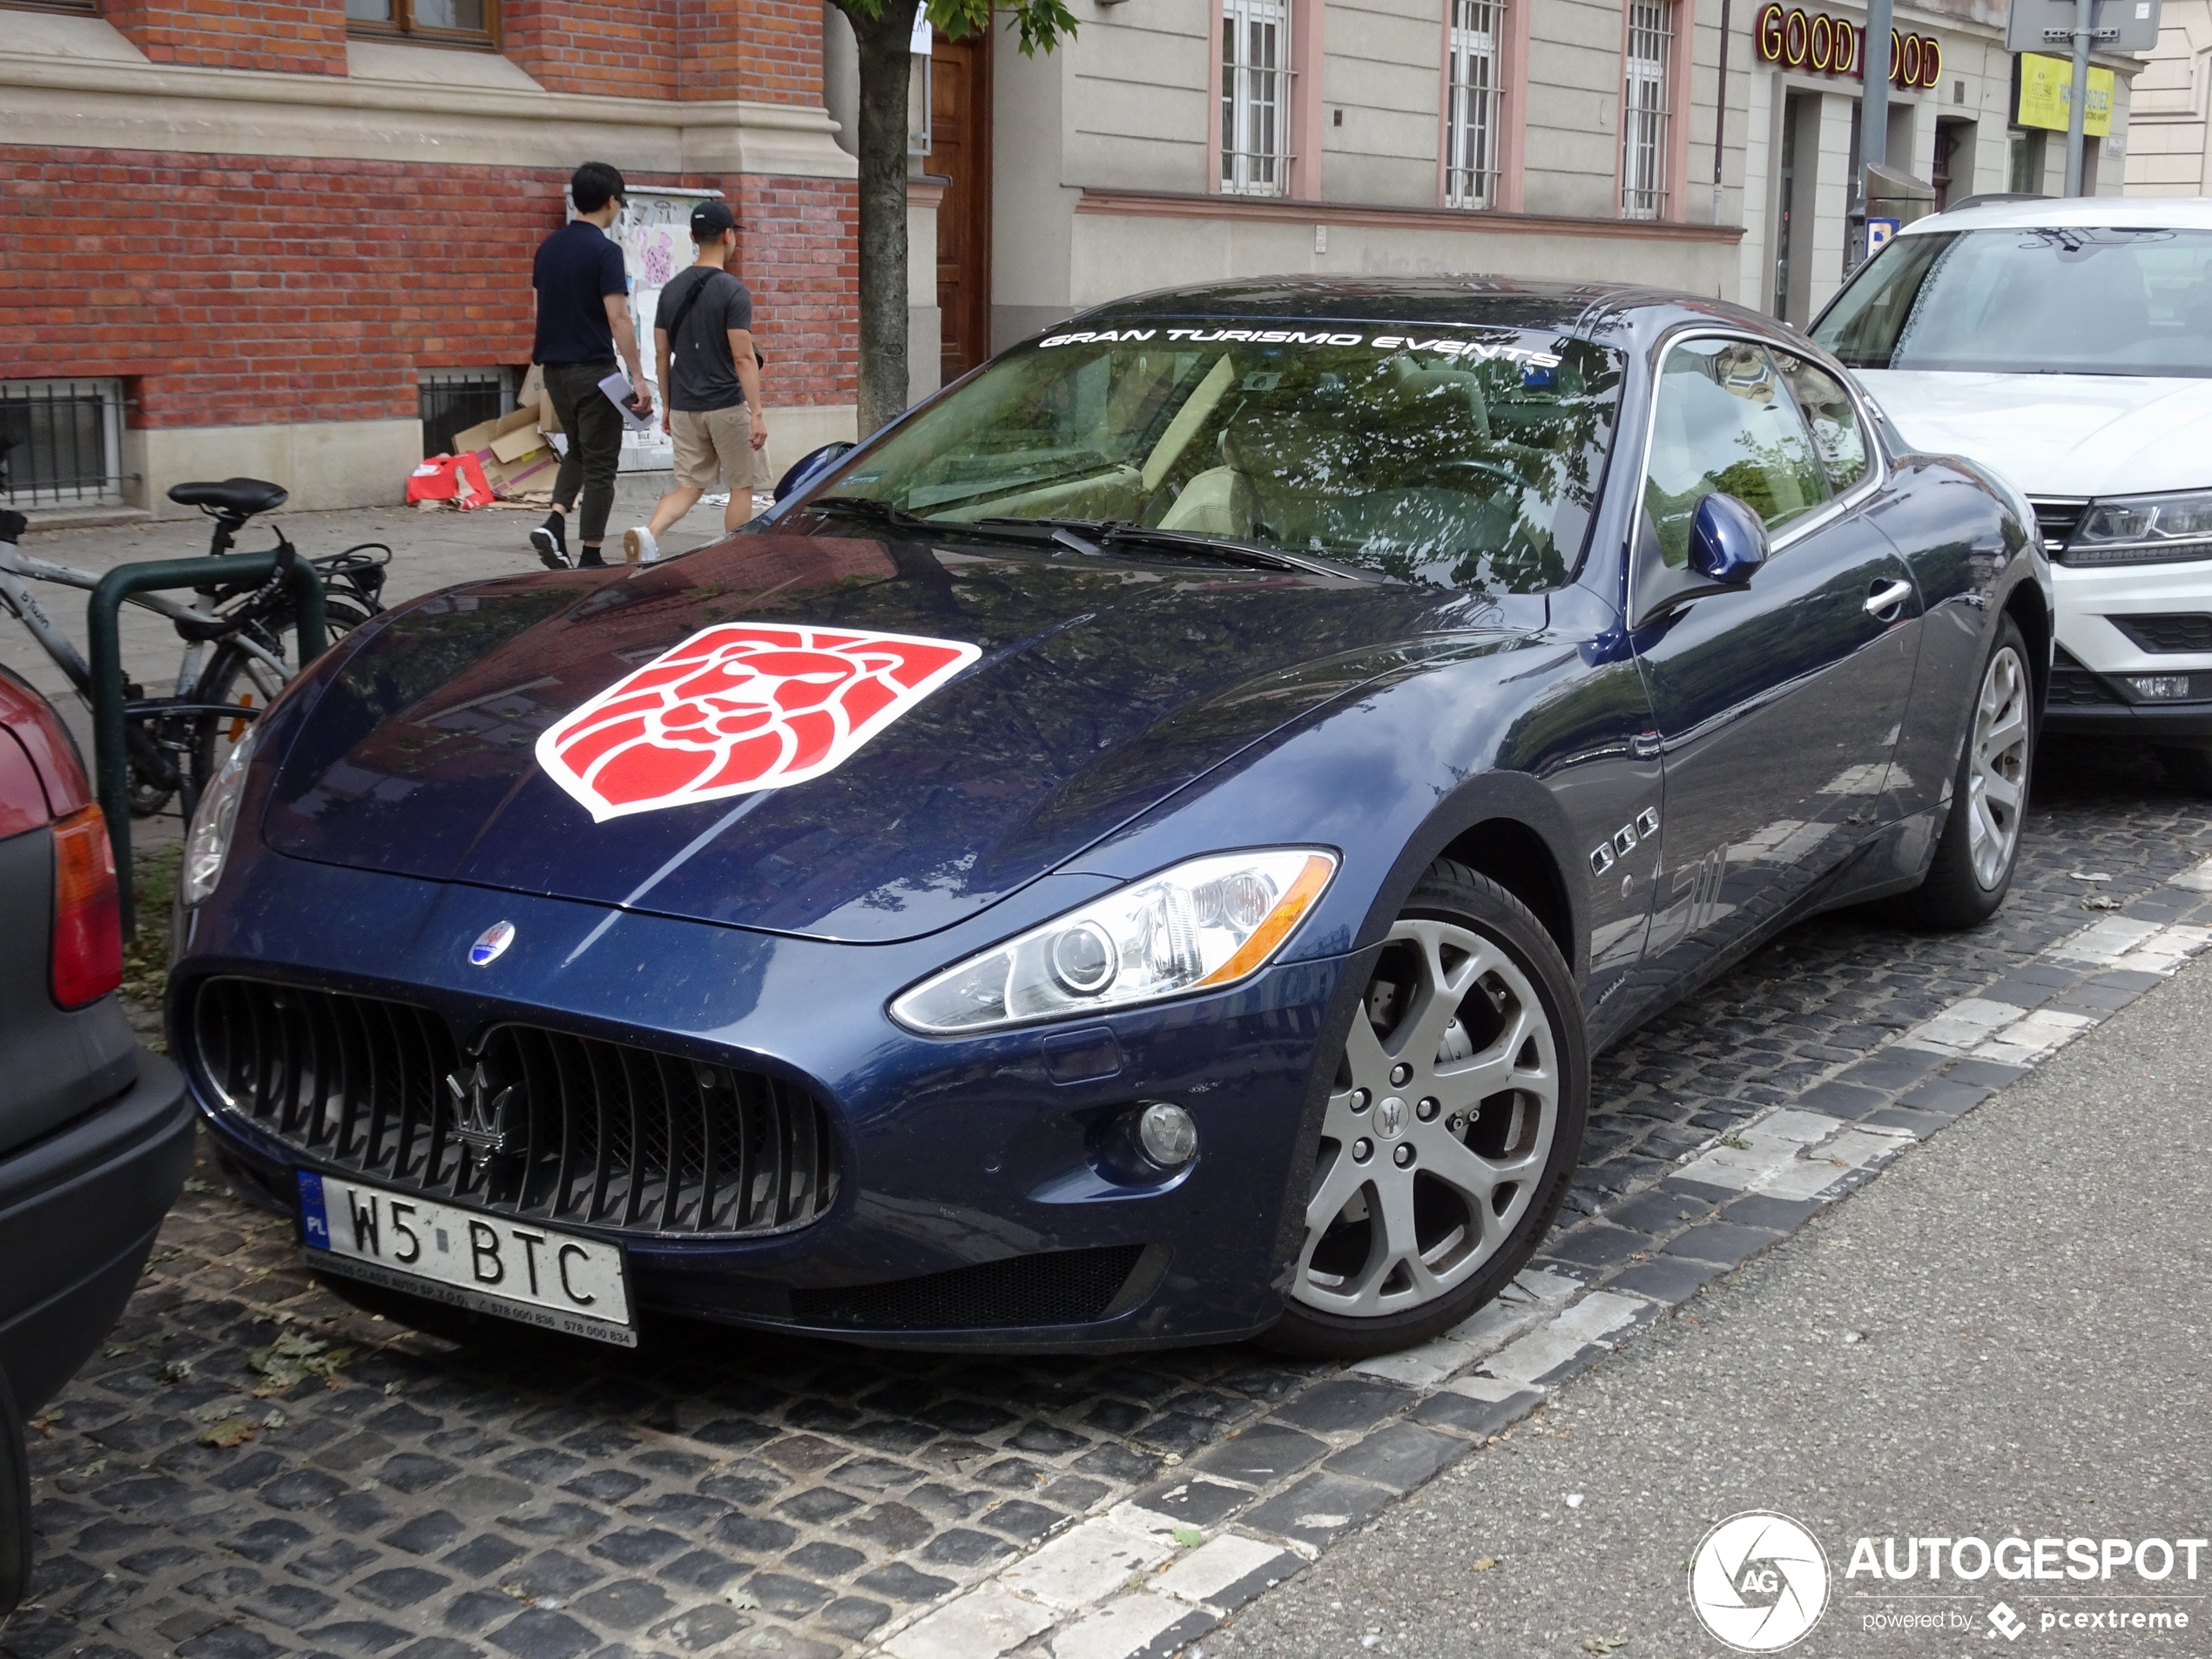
<point x="2143" y="529"/>
<point x="208" y="841"/>
<point x="1199" y="926"/>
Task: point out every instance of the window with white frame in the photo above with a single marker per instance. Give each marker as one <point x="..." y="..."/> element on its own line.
<point x="1645" y="115"/>
<point x="1473" y="116"/>
<point x="61" y="442"/>
<point x="1255" y="97"/>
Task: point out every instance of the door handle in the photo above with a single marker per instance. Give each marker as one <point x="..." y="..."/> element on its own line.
<point x="1887" y="596"/>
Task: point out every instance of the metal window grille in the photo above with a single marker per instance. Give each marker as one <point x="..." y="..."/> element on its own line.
<point x="1645" y="115"/>
<point x="1472" y="117"/>
<point x="1255" y="97"/>
<point x="65" y="443"/>
<point x="453" y="399"/>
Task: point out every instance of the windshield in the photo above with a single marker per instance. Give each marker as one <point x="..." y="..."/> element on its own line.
<point x="2044" y="301"/>
<point x="1463" y="456"/>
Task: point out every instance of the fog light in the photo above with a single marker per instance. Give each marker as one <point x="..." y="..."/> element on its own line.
<point x="2160" y="686"/>
<point x="1168" y="1136"/>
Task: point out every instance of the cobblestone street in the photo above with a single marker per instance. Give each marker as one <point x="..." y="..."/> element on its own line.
<point x="252" y="1468"/>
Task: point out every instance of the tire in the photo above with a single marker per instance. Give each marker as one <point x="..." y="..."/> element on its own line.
<point x="237" y="676"/>
<point x="2189" y="766"/>
<point x="1971" y="871"/>
<point x="1468" y="1150"/>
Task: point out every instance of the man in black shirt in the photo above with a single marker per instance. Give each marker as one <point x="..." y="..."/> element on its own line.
<point x="582" y="317"/>
<point x="710" y="379"/>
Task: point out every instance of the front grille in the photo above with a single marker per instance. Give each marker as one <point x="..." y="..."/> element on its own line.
<point x="2075" y="686"/>
<point x="1059" y="1287"/>
<point x="590" y="1131"/>
<point x="2057" y="520"/>
<point x="2176" y="631"/>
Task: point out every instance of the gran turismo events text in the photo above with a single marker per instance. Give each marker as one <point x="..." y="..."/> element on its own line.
<point x="2023" y="1558"/>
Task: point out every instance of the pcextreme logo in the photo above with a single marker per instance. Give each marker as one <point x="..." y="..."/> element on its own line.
<point x="1759" y="1582"/>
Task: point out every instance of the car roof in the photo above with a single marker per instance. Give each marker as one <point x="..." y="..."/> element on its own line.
<point x="1619" y="313"/>
<point x="2131" y="213"/>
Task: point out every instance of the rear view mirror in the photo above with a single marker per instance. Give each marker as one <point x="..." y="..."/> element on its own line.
<point x="1727" y="541"/>
<point x="809" y="466"/>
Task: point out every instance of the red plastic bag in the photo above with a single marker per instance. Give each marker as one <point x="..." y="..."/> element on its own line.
<point x="459" y="479"/>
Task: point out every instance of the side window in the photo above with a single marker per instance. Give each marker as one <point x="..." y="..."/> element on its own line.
<point x="1836" y="433"/>
<point x="1724" y="422"/>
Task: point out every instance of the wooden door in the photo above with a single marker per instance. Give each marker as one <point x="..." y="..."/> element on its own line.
<point x="960" y="150"/>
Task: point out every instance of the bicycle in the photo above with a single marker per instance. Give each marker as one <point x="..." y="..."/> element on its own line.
<point x="177" y="743"/>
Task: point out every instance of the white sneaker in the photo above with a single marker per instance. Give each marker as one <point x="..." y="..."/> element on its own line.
<point x="639" y="546"/>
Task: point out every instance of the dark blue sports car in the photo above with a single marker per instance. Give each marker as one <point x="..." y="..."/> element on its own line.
<point x="1140" y="852"/>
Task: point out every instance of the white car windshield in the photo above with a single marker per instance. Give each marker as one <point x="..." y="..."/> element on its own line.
<point x="2047" y="300"/>
<point x="1464" y="456"/>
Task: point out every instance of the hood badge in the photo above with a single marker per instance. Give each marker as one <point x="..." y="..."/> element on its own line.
<point x="739" y="707"/>
<point x="491" y="944"/>
<point x="479" y="1111"/>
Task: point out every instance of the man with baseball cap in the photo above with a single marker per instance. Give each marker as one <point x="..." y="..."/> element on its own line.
<point x="710" y="379"/>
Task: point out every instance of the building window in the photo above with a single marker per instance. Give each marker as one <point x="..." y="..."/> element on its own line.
<point x="2025" y="172"/>
<point x="60" y="442"/>
<point x="1644" y="113"/>
<point x="453" y="399"/>
<point x="1255" y="97"/>
<point x="1474" y="116"/>
<point x="440" y="23"/>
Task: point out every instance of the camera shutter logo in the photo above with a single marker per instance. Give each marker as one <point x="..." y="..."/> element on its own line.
<point x="1759" y="1582"/>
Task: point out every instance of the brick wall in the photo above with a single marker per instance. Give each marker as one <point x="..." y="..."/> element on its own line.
<point x="235" y="290"/>
<point x="298" y="36"/>
<point x="618" y="48"/>
<point x="770" y="51"/>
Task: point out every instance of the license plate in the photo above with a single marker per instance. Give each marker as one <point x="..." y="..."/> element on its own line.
<point x="466" y="1258"/>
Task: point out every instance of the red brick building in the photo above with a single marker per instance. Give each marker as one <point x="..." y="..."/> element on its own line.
<point x="278" y="236"/>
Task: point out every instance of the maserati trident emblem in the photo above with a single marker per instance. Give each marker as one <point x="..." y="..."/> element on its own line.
<point x="491" y="943"/>
<point x="479" y="1111"/>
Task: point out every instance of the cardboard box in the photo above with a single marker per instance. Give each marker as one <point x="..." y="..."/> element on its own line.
<point x="533" y="386"/>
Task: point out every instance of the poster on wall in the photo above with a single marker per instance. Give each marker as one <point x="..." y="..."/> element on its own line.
<point x="2044" y="96"/>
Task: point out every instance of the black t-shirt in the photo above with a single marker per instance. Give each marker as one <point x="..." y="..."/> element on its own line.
<point x="705" y="374"/>
<point x="576" y="268"/>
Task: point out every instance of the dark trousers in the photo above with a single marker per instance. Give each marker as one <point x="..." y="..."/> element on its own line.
<point x="594" y="428"/>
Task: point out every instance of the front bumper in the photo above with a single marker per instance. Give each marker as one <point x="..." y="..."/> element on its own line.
<point x="78" y="1212"/>
<point x="2099" y="653"/>
<point x="975" y="1205"/>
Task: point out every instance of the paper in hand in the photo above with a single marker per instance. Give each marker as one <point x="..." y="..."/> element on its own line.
<point x="618" y="390"/>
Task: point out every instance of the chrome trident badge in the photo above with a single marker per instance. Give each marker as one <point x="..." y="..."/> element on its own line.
<point x="479" y="1112"/>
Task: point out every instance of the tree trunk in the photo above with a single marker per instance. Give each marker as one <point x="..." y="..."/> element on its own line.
<point x="884" y="43"/>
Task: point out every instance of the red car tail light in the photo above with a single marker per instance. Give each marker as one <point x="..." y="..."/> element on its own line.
<point x="88" y="926"/>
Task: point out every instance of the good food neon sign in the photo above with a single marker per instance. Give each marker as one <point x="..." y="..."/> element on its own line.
<point x="1835" y="46"/>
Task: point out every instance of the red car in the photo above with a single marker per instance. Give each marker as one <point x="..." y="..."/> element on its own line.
<point x="95" y="1131"/>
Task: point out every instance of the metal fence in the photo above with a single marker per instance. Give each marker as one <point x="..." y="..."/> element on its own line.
<point x="62" y="440"/>
<point x="453" y="399"/>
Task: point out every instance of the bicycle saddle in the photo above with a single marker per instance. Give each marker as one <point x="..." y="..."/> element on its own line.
<point x="241" y="497"/>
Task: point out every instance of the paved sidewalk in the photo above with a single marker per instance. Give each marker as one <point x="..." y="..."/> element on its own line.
<point x="2004" y="1336"/>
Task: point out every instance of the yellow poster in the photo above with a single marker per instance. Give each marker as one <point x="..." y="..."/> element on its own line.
<point x="2046" y="89"/>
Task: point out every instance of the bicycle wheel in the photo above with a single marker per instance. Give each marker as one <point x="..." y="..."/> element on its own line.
<point x="242" y="679"/>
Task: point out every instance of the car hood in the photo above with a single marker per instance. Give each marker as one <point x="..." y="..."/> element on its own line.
<point x="2058" y="434"/>
<point x="1092" y="690"/>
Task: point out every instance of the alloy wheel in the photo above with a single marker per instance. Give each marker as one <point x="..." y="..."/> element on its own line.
<point x="1436" y="1138"/>
<point x="1997" y="773"/>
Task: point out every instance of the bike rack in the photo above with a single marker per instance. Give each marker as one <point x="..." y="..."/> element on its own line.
<point x="110" y="760"/>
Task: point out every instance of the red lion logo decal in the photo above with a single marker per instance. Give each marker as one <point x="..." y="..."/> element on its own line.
<point x="740" y="707"/>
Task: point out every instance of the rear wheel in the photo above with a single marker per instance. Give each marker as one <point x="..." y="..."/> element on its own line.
<point x="1971" y="871"/>
<point x="1452" y="1132"/>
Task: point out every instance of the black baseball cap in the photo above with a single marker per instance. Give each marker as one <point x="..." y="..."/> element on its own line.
<point x="711" y="219"/>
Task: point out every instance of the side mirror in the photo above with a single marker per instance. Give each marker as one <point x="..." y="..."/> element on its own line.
<point x="1727" y="541"/>
<point x="809" y="465"/>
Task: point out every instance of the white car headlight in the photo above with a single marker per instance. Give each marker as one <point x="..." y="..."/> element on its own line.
<point x="1203" y="925"/>
<point x="208" y="842"/>
<point x="2142" y="529"/>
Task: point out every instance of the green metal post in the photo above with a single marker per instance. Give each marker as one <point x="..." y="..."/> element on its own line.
<point x="110" y="757"/>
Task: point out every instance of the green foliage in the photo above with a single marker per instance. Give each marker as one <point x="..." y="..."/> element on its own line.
<point x="1040" y="24"/>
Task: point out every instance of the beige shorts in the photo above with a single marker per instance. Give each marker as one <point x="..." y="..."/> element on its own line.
<point x="715" y="446"/>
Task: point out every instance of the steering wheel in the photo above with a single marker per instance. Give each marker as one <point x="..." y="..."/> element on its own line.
<point x="1503" y="474"/>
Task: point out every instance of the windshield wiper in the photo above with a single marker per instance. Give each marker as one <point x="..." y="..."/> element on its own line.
<point x="869" y="511"/>
<point x="1096" y="536"/>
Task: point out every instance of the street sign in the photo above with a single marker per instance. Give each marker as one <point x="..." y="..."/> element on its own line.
<point x="2047" y="26"/>
<point x="1878" y="232"/>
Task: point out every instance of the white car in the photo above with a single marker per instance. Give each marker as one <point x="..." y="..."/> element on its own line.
<point x="2067" y="345"/>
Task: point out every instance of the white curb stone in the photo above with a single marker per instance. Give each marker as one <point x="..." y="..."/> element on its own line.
<point x="1212" y="1567"/>
<point x="1119" y="1629"/>
<point x="1542" y="1286"/>
<point x="1543" y="1351"/>
<point x="2196" y="878"/>
<point x="1092" y="1561"/>
<point x="980" y="1625"/>
<point x="1963" y="1026"/>
<point x="1489" y="1330"/>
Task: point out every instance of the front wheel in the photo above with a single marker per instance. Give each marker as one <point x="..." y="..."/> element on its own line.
<point x="1452" y="1130"/>
<point x="1971" y="871"/>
